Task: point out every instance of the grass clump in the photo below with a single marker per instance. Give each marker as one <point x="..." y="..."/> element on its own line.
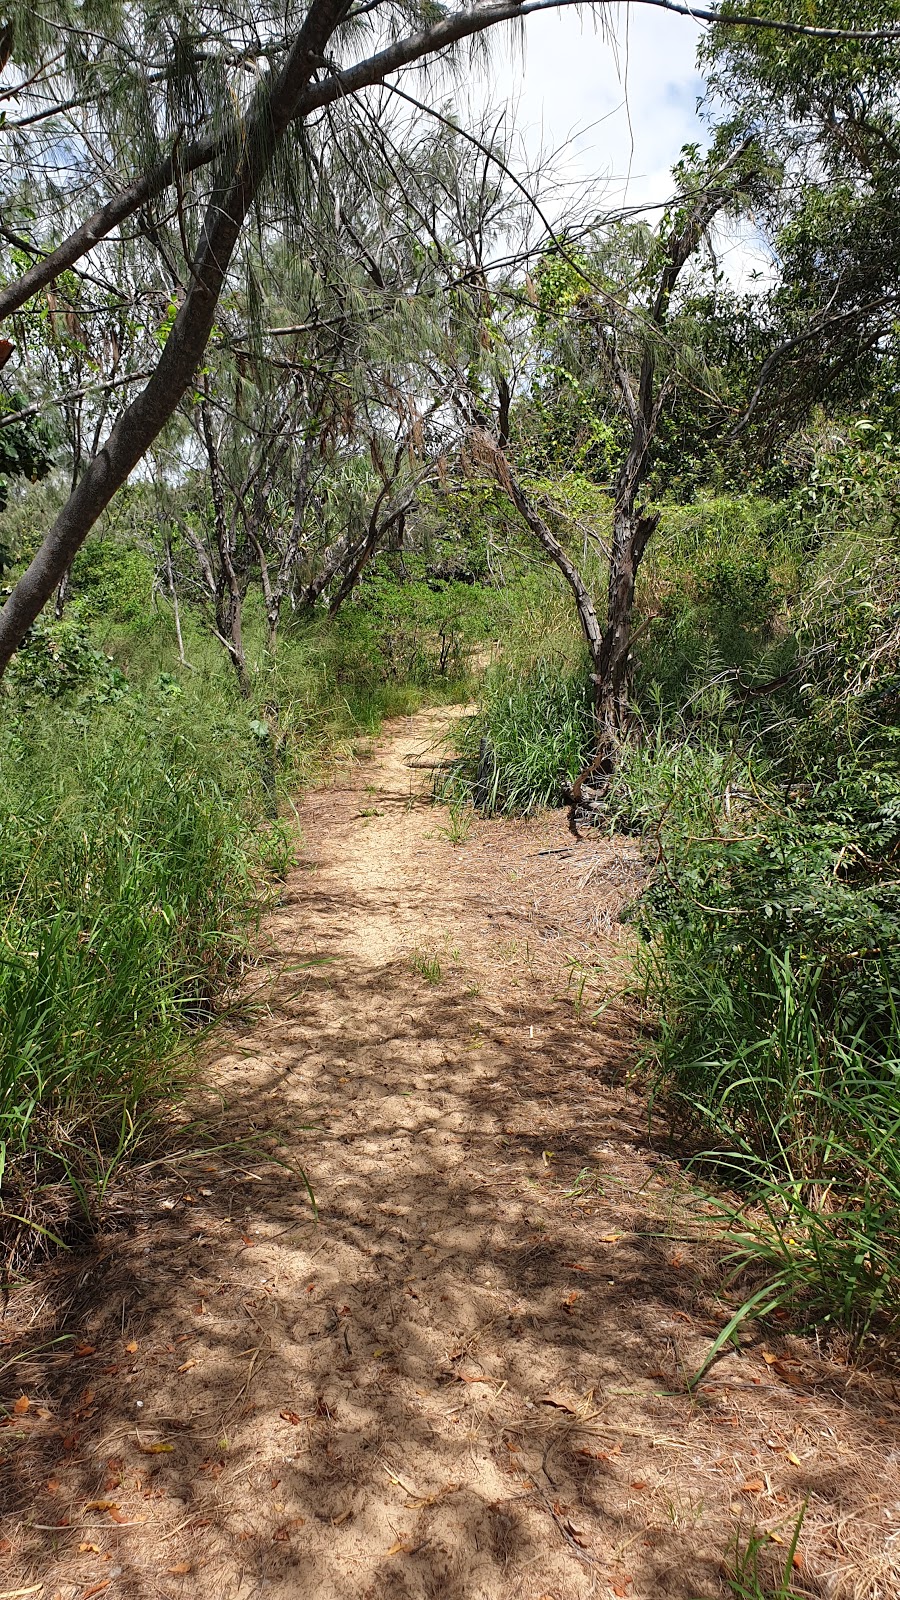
<point x="770" y="960"/>
<point x="528" y="737"/>
<point x="133" y="850"/>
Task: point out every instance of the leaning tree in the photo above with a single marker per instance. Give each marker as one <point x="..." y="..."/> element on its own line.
<point x="139" y="120"/>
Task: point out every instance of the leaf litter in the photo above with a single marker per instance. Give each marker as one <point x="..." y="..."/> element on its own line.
<point x="494" y="1430"/>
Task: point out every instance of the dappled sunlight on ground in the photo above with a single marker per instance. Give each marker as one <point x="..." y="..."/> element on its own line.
<point x="467" y="1377"/>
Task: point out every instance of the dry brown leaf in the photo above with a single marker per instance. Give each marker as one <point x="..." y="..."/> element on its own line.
<point x="291" y="1417"/>
<point x="575" y="1533"/>
<point x="156" y="1449"/>
<point x="753" y="1486"/>
<point x="21" y="1405"/>
<point x="85" y="1350"/>
<point x="85" y="1549"/>
<point x="96" y="1588"/>
<point x="131" y="1346"/>
<point x="396" y="1548"/>
<point x="101" y="1505"/>
<point x="180" y="1569"/>
<point x="186" y="1366"/>
<point x="768" y="1358"/>
<point x="558" y="1405"/>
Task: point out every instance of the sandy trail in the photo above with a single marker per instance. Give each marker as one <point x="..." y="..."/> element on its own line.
<point x="466" y="1380"/>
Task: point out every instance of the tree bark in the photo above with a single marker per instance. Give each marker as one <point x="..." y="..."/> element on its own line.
<point x="229" y="600"/>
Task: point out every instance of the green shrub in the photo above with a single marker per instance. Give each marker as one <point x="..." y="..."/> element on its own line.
<point x="771" y="958"/>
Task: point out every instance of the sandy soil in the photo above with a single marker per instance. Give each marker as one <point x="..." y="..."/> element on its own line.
<point x="466" y="1379"/>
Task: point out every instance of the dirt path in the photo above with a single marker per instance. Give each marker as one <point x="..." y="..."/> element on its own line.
<point x="466" y="1381"/>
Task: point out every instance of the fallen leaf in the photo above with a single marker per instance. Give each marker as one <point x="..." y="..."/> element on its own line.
<point x="281" y="1535"/>
<point x="788" y="1374"/>
<point x="396" y="1548"/>
<point x="609" y="1238"/>
<point x="768" y="1358"/>
<point x="640" y="1484"/>
<point x="575" y="1533"/>
<point x="291" y="1417"/>
<point x="753" y="1486"/>
<point x="186" y="1366"/>
<point x="85" y="1549"/>
<point x="131" y="1346"/>
<point x="85" y="1350"/>
<point x="96" y="1588"/>
<point x="180" y="1569"/>
<point x="101" y="1505"/>
<point x="21" y="1405"/>
<point x="156" y="1449"/>
<point x="575" y="1266"/>
<point x="558" y="1405"/>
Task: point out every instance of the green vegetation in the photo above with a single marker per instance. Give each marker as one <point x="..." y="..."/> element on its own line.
<point x="145" y="821"/>
<point x="402" y="443"/>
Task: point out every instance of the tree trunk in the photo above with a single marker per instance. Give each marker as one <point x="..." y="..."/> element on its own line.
<point x="229" y="600"/>
<point x="247" y="160"/>
<point x="612" y="682"/>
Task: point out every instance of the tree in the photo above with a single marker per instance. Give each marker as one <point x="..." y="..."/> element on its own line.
<point x="828" y="113"/>
<point x="608" y="319"/>
<point x="188" y="95"/>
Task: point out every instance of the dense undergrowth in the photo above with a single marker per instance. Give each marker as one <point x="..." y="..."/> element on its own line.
<point x="146" y="817"/>
<point x="762" y="770"/>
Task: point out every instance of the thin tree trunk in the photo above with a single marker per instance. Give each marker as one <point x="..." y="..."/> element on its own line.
<point x="632" y="530"/>
<point x="170" y="574"/>
<point x="229" y="600"/>
<point x="587" y="613"/>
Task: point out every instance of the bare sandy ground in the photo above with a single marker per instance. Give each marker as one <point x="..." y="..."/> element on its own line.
<point x="465" y="1379"/>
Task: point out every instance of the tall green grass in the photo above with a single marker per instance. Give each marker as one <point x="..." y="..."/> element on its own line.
<point x="133" y="849"/>
<point x="770" y="960"/>
<point x="529" y="736"/>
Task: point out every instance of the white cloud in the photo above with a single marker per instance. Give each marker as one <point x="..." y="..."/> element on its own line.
<point x="621" y="107"/>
